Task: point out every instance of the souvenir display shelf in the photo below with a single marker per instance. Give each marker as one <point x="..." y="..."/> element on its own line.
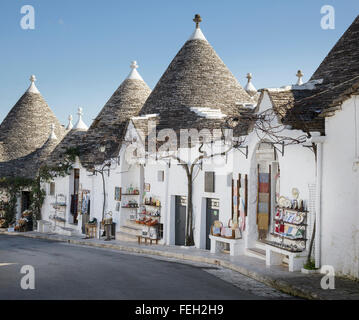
<point x="151" y="205"/>
<point x="131" y="191"/>
<point x="150" y="215"/>
<point x="293" y="218"/>
<point x="283" y="246"/>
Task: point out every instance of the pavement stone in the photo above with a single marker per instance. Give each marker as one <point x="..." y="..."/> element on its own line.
<point x="293" y="283"/>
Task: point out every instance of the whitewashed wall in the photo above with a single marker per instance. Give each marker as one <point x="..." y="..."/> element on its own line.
<point x="340" y="194"/>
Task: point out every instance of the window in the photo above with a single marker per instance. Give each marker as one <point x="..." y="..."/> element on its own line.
<point x="209" y="181"/>
<point x="160" y="175"/>
<point x="52" y="188"/>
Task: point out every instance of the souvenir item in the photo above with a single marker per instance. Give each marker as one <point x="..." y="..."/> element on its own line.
<point x="286" y="228"/>
<point x="295" y="193"/>
<point x="281" y="201"/>
<point x="299" y="218"/>
<point x="288" y="203"/>
<point x="291" y="218"/>
<point x="289" y="231"/>
<point x="294" y="204"/>
<point x="276" y="228"/>
<point x="281" y="228"/>
<point x="144" y="232"/>
<point x="153" y="233"/>
<point x="235" y="228"/>
<point x="216" y="228"/>
<point x="299" y="234"/>
<point x="300" y="204"/>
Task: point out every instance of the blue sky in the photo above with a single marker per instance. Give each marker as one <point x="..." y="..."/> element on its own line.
<point x="80" y="51"/>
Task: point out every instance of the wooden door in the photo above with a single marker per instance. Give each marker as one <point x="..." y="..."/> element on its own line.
<point x="180" y="228"/>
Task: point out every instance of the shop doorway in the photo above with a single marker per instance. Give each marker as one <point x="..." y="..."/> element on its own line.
<point x="180" y="228"/>
<point x="25" y="201"/>
<point x="267" y="165"/>
<point x="75" y="196"/>
<point x="212" y="214"/>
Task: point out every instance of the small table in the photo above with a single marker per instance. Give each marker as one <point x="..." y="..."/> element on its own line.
<point x="139" y="239"/>
<point x="236" y="246"/>
<point x="91" y="230"/>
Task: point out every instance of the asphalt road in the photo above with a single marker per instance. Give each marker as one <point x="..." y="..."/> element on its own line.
<point x="65" y="271"/>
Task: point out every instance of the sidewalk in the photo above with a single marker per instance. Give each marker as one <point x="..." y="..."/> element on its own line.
<point x="294" y="283"/>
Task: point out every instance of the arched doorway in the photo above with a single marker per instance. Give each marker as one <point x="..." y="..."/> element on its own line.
<point x="267" y="174"/>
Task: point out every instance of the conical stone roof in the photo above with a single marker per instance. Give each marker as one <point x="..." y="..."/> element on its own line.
<point x="72" y="140"/>
<point x="342" y="62"/>
<point x="28" y="166"/>
<point x="26" y="128"/>
<point x="110" y="125"/>
<point x="196" y="78"/>
<point x="336" y="79"/>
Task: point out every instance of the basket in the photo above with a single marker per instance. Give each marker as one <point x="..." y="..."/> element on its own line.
<point x="216" y="228"/>
<point x="236" y="231"/>
<point x="231" y="231"/>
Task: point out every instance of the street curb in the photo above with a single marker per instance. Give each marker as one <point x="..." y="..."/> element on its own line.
<point x="281" y="285"/>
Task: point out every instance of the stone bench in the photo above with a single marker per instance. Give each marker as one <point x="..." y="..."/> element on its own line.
<point x="236" y="246"/>
<point x="275" y="256"/>
<point x="43" y="226"/>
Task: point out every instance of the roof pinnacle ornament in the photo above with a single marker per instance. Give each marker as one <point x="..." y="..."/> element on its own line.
<point x="52" y="134"/>
<point x="197" y="19"/>
<point x="80" y="125"/>
<point x="134" y="75"/>
<point x="70" y="125"/>
<point x="251" y="90"/>
<point x="134" y="65"/>
<point x="300" y="76"/>
<point x="197" y="34"/>
<point x="32" y="87"/>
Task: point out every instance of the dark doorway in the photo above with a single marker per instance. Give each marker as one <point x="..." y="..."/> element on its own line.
<point x="180" y="230"/>
<point x="212" y="215"/>
<point x="75" y="199"/>
<point x="25" y="200"/>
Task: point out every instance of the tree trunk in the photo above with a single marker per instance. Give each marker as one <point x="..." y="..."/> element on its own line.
<point x="311" y="244"/>
<point x="189" y="241"/>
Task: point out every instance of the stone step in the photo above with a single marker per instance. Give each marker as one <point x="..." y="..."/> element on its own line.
<point x="122" y="236"/>
<point x="256" y="253"/>
<point x="66" y="231"/>
<point x="261" y="245"/>
<point x="130" y="230"/>
<point x="133" y="224"/>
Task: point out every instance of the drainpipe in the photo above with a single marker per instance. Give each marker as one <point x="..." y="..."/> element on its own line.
<point x="318" y="140"/>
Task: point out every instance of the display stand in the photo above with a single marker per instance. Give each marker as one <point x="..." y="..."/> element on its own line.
<point x="289" y="238"/>
<point x="290" y="229"/>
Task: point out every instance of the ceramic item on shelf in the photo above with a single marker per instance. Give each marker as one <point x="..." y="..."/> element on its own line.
<point x="299" y="218"/>
<point x="295" y="193"/>
<point x="295" y="204"/>
<point x="281" y="201"/>
<point x="300" y="204"/>
<point x="288" y="203"/>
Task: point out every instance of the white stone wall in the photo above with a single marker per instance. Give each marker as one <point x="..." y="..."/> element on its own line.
<point x="340" y="194"/>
